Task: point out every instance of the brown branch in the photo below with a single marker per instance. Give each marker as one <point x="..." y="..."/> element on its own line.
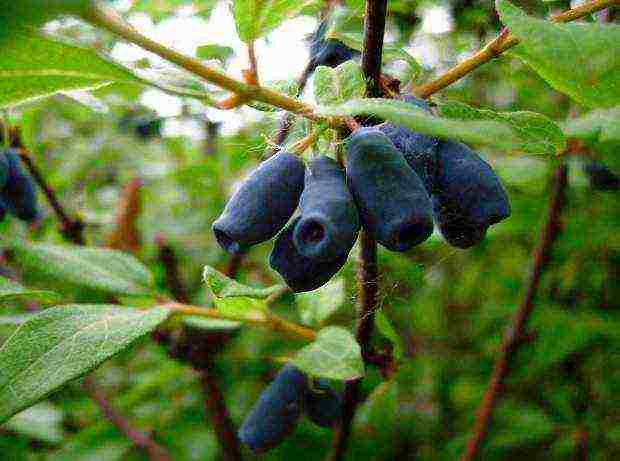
<point x="223" y="425"/>
<point x="126" y="237"/>
<point x="70" y="229"/>
<point x="516" y="330"/>
<point x="498" y="46"/>
<point x="168" y="258"/>
<point x="372" y="51"/>
<point x="140" y="439"/>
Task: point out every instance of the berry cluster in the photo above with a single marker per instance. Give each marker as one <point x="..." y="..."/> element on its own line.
<point x="17" y="190"/>
<point x="396" y="184"/>
<point x="281" y="405"/>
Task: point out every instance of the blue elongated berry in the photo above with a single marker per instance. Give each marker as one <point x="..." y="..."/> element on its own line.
<point x="277" y="411"/>
<point x="420" y="150"/>
<point x="328" y="52"/>
<point x="469" y="196"/>
<point x="298" y="271"/>
<point x="19" y="192"/>
<point x="329" y="223"/>
<point x="393" y="204"/>
<point x="323" y="404"/>
<point x="262" y="205"/>
<point x="601" y="177"/>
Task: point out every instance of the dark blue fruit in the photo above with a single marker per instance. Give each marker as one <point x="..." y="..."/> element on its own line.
<point x="329" y="222"/>
<point x="299" y="272"/>
<point x="19" y="192"/>
<point x="323" y="404"/>
<point x="328" y="52"/>
<point x="277" y="411"/>
<point x="393" y="204"/>
<point x="468" y="196"/>
<point x="418" y="149"/>
<point x="601" y="177"/>
<point x="262" y="205"/>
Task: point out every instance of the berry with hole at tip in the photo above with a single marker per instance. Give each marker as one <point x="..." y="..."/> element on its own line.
<point x="277" y="411"/>
<point x="262" y="205"/>
<point x="298" y="271"/>
<point x="393" y="204"/>
<point x="328" y="223"/>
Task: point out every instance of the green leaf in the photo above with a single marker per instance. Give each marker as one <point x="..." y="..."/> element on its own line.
<point x="36" y="12"/>
<point x="581" y="60"/>
<point x="334" y="354"/>
<point x="212" y="325"/>
<point x="602" y="125"/>
<point x="212" y="51"/>
<point x="537" y="134"/>
<point x="386" y="329"/>
<point x="62" y="343"/>
<point x="42" y="421"/>
<point x="235" y="300"/>
<point x="103" y="270"/>
<point x="256" y="18"/>
<point x="288" y="87"/>
<point x="315" y="307"/>
<point x="32" y="66"/>
<point x="338" y="85"/>
<point x="11" y="292"/>
<point x="481" y="132"/>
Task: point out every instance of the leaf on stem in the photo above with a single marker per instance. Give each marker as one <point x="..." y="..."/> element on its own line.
<point x="11" y="292"/>
<point x="340" y="84"/>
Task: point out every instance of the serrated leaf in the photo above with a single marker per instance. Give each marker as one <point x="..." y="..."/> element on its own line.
<point x="103" y="270"/>
<point x="492" y="133"/>
<point x="11" y="292"/>
<point x="214" y="51"/>
<point x="581" y="60"/>
<point x="256" y="18"/>
<point x="62" y="343"/>
<point x="339" y="84"/>
<point x="33" y="66"/>
<point x="288" y="87"/>
<point x="334" y="354"/>
<point x="317" y="306"/>
<point x="537" y="133"/>
<point x="235" y="300"/>
<point x="602" y="125"/>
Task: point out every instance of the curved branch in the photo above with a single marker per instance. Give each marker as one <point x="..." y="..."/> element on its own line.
<point x="516" y="330"/>
<point x="498" y="46"/>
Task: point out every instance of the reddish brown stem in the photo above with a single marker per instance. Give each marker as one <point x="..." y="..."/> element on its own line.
<point x="223" y="425"/>
<point x="516" y="330"/>
<point x="140" y="439"/>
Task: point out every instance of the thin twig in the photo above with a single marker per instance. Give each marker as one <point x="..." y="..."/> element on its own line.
<point x="516" y="330"/>
<point x="105" y="17"/>
<point x="222" y="424"/>
<point x="71" y="229"/>
<point x="140" y="439"/>
<point x="367" y="274"/>
<point x="168" y="258"/>
<point x="498" y="46"/>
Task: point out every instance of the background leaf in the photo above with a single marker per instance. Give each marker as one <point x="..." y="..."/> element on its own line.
<point x="33" y="66"/>
<point x="11" y="292"/>
<point x="581" y="60"/>
<point x="334" y="354"/>
<point x="338" y="85"/>
<point x="103" y="270"/>
<point x="601" y="125"/>
<point x="256" y="18"/>
<point x="315" y="307"/>
<point x="62" y="343"/>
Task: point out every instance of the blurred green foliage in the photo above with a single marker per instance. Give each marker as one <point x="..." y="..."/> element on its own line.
<point x="448" y="307"/>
